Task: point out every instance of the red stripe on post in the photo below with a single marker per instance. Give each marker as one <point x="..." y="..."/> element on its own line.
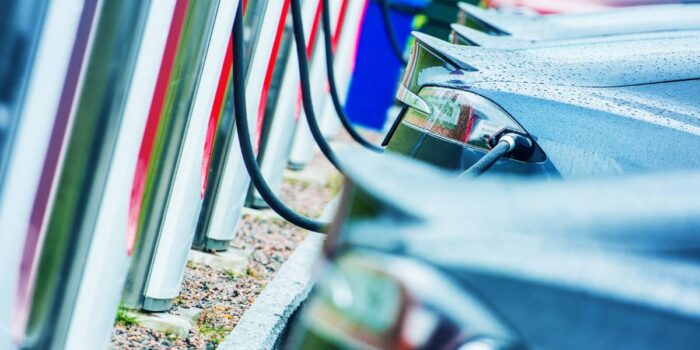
<point x="309" y="51"/>
<point x="268" y="75"/>
<point x="216" y="114"/>
<point x="340" y="24"/>
<point x="337" y="33"/>
<point x="36" y="233"/>
<point x="314" y="30"/>
<point x="153" y="122"/>
<point x="359" y="33"/>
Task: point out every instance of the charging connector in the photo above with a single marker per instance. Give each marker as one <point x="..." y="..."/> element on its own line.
<point x="505" y="143"/>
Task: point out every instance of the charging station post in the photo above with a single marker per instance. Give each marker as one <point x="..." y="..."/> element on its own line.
<point x="224" y="202"/>
<point x="75" y="256"/>
<point x="345" y="40"/>
<point x="166" y="213"/>
<point x="275" y="153"/>
<point x="34" y="119"/>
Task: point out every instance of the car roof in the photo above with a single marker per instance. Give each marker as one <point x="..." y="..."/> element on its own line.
<point x="587" y="64"/>
<point x="635" y="19"/>
<point x="585" y="235"/>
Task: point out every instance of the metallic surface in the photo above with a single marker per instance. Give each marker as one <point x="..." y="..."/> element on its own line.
<point x="25" y="132"/>
<point x="572" y="6"/>
<point x="303" y="146"/>
<point x="221" y="129"/>
<point x="415" y="143"/>
<point x="108" y="262"/>
<point x="410" y="99"/>
<point x="80" y="184"/>
<point x="184" y="199"/>
<point x="469" y="36"/>
<point x="606" y="63"/>
<point x="227" y="200"/>
<point x="284" y="119"/>
<point x="172" y="128"/>
<point x="44" y="191"/>
<point x="21" y="28"/>
<point x="615" y="21"/>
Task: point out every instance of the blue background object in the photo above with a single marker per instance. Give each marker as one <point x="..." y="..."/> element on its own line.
<point x="377" y="69"/>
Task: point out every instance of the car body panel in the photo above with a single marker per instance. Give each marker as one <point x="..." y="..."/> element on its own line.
<point x="416" y="143"/>
<point x="595" y="64"/>
<point x="596" y="117"/>
<point x="549" y="256"/>
<point x="590" y="131"/>
<point x="610" y="22"/>
<point x="570" y="6"/>
<point x="463" y="35"/>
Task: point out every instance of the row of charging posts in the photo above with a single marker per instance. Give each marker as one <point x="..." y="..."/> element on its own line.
<point x="83" y="197"/>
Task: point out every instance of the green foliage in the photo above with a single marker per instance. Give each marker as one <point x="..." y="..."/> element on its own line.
<point x="123" y="318"/>
<point x="213" y="334"/>
<point x="335" y="183"/>
<point x="250" y="271"/>
<point x="232" y="275"/>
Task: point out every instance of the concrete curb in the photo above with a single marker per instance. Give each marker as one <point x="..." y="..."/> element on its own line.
<point x="331" y="208"/>
<point x="180" y="322"/>
<point x="234" y="261"/>
<point x="265" y="320"/>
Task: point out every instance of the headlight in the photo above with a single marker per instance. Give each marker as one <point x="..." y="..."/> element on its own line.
<point x="461" y="116"/>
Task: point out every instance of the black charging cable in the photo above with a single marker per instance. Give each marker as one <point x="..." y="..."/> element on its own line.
<point x="241" y="120"/>
<point x="344" y="120"/>
<point x="508" y="143"/>
<point x="306" y="99"/>
<point x="389" y="30"/>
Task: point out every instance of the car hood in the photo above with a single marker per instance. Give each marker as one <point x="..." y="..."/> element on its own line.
<point x="610" y="22"/>
<point x="598" y="64"/>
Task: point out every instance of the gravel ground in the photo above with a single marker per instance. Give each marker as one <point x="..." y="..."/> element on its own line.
<point x="306" y="198"/>
<point x="224" y="297"/>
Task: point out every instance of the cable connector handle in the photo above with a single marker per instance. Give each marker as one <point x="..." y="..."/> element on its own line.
<point x="521" y="146"/>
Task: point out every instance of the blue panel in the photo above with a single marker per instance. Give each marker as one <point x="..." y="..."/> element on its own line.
<point x="377" y="69"/>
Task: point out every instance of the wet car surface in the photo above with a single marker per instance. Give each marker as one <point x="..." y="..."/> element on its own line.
<point x="625" y="106"/>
